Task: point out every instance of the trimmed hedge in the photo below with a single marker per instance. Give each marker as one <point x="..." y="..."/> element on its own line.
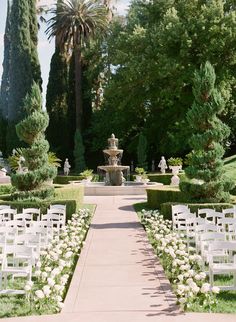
<point x="66" y="179"/>
<point x="164" y="178"/>
<point x="157" y="196"/>
<point x="72" y="197"/>
<point x="165" y="208"/>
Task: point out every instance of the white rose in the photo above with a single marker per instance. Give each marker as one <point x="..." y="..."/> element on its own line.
<point x="205" y="288"/>
<point x="51" y="281"/>
<point x="39" y="294"/>
<point x="46" y="290"/>
<point x="215" y="290"/>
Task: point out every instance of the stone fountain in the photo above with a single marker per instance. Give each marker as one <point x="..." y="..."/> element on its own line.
<point x="114" y="170"/>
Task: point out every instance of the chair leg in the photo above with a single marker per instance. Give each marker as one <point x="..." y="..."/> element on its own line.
<point x="211" y="276"/>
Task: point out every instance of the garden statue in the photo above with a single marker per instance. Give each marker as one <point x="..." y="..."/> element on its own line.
<point x="153" y="165"/>
<point x="162" y="165"/>
<point x="67" y="167"/>
<point x="3" y="172"/>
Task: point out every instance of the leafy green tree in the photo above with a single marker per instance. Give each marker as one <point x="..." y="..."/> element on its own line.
<point x="209" y="132"/>
<point x="79" y="153"/>
<point x="142" y="152"/>
<point x="155" y="54"/>
<point x="35" y="181"/>
<point x="24" y="66"/>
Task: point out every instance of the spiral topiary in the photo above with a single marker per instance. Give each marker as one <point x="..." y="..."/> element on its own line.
<point x="205" y="171"/>
<point x="36" y="181"/>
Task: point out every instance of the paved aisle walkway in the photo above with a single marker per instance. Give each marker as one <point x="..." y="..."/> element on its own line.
<point x="119" y="273"/>
<point x="118" y="278"/>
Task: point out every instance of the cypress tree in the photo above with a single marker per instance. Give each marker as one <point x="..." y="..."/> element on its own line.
<point x="24" y="66"/>
<point x="34" y="182"/>
<point x="142" y="152"/>
<point x="56" y="104"/>
<point x="79" y="153"/>
<point x="205" y="172"/>
<point x="4" y="91"/>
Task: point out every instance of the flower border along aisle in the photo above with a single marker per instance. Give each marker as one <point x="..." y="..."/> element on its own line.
<point x="56" y="264"/>
<point x="182" y="268"/>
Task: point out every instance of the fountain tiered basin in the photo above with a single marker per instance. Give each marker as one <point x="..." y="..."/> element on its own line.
<point x="114" y="181"/>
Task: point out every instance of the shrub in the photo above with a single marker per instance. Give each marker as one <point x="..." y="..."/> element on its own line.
<point x="66" y="179"/>
<point x="157" y="196"/>
<point x="6" y="189"/>
<point x="175" y="161"/>
<point x="164" y="178"/>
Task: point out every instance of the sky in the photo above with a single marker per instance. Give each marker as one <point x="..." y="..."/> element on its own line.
<point x="45" y="48"/>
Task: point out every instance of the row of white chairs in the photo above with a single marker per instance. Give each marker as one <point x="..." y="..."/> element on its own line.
<point x="33" y="214"/>
<point x="21" y="240"/>
<point x="214" y="236"/>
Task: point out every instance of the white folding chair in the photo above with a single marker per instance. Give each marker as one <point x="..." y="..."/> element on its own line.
<point x="7" y="214"/>
<point x="203" y="212"/>
<point x="224" y="264"/>
<point x="206" y="239"/>
<point x="4" y="207"/>
<point x="214" y="217"/>
<point x="178" y="209"/>
<point x="35" y="212"/>
<point x="17" y="262"/>
<point x="229" y="212"/>
<point x="58" y="211"/>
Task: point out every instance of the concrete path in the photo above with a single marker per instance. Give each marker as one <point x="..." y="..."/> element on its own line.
<point x="118" y="278"/>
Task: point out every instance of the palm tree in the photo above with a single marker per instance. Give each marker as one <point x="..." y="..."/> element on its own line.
<point x="74" y="23"/>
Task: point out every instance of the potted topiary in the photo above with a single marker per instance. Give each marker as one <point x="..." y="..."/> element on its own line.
<point x="140" y="172"/>
<point x="175" y="164"/>
<point x="88" y="175"/>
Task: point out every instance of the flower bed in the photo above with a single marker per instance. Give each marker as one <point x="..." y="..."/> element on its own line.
<point x="56" y="263"/>
<point x="182" y="268"/>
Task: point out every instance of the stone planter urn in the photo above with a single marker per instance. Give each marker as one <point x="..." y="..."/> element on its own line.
<point x="145" y="180"/>
<point x="175" y="171"/>
<point x="138" y="178"/>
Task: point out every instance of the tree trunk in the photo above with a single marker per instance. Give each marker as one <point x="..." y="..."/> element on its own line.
<point x="78" y="89"/>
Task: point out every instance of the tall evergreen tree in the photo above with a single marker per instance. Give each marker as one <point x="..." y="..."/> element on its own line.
<point x="57" y="105"/>
<point x="24" y="66"/>
<point x="35" y="181"/>
<point x="4" y="92"/>
<point x="207" y="182"/>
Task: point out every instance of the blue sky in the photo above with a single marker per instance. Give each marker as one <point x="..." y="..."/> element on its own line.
<point x="45" y="49"/>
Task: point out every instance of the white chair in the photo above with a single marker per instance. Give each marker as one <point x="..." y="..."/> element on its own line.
<point x="57" y="206"/>
<point x="203" y="212"/>
<point x="35" y="212"/>
<point x="58" y="211"/>
<point x="229" y="212"/>
<point x="214" y="217"/>
<point x="5" y="207"/>
<point x="7" y="214"/>
<point x="178" y="209"/>
<point x="222" y="265"/>
<point x="206" y="239"/>
<point x="203" y="228"/>
<point x="22" y="267"/>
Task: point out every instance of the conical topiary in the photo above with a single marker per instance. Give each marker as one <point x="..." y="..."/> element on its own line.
<point x="205" y="172"/>
<point x="35" y="182"/>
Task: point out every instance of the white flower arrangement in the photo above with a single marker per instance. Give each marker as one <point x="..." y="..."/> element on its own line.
<point x="181" y="267"/>
<point x="55" y="265"/>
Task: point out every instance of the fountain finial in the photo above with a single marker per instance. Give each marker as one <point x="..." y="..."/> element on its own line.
<point x="113" y="142"/>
